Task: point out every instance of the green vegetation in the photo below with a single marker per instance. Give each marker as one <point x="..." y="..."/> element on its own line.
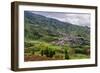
<point x="50" y="39"/>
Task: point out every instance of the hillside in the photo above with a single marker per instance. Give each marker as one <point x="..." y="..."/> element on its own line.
<point x="53" y="35"/>
<point x="38" y="26"/>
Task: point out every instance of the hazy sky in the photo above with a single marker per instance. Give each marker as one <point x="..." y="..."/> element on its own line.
<point x="74" y="18"/>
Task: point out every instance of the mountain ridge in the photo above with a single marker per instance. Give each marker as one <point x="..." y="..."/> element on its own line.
<point x="51" y="28"/>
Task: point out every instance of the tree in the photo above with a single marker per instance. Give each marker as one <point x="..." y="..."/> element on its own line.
<point x="66" y="54"/>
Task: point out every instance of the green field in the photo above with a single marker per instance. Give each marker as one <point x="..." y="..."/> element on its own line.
<point x="40" y="50"/>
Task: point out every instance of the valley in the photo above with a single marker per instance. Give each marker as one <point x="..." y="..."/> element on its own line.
<point x="50" y="39"/>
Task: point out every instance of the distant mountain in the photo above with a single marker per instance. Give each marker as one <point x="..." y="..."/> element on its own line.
<point x="38" y="27"/>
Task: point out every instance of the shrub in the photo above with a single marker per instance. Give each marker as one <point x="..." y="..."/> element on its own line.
<point x="71" y="51"/>
<point x="30" y="50"/>
<point x="41" y="45"/>
<point x="27" y="50"/>
<point x="48" y="52"/>
<point x="78" y="50"/>
<point x="28" y="44"/>
<point x="84" y="50"/>
<point x="59" y="56"/>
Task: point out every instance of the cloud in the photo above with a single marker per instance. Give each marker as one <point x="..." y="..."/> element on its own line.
<point x="81" y="19"/>
<point x="78" y="19"/>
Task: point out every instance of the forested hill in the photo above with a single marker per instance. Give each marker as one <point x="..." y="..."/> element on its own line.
<point x="44" y="28"/>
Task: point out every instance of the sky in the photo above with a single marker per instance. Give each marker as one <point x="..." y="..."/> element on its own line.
<point x="82" y="19"/>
